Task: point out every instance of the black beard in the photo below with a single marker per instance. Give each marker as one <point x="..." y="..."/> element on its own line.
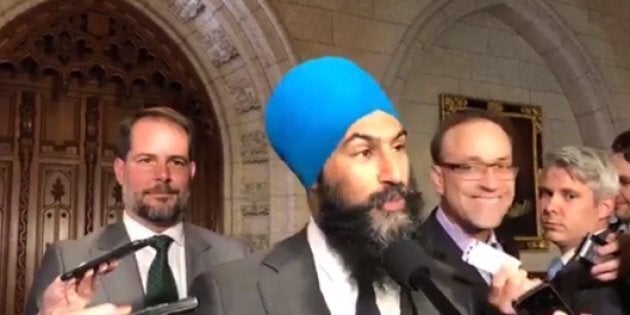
<point x="350" y="232"/>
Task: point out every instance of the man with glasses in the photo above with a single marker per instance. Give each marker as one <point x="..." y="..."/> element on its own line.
<point x="474" y="175"/>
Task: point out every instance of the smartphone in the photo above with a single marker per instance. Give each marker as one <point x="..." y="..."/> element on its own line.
<point x="542" y="300"/>
<point x="184" y="305"/>
<point x="116" y="254"/>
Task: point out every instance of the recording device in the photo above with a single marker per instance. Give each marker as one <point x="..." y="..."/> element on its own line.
<point x="541" y="300"/>
<point x="116" y="254"/>
<point x="587" y="252"/>
<point x="188" y="304"/>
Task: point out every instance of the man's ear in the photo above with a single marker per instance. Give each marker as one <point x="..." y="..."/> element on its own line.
<point x="606" y="207"/>
<point x="119" y="170"/>
<point x="193" y="169"/>
<point x="437" y="178"/>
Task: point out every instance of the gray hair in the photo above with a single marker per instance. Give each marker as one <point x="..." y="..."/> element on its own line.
<point x="588" y="165"/>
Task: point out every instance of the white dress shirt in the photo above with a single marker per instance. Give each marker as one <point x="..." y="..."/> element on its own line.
<point x="337" y="286"/>
<point x="145" y="256"/>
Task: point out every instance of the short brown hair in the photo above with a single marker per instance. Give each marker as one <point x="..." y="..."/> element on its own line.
<point x="160" y="112"/>
<point x="621" y="144"/>
<point x="462" y="117"/>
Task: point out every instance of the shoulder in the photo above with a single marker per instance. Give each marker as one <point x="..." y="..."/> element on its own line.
<point x="216" y="239"/>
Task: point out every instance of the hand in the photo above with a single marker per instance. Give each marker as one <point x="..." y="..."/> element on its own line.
<point x="63" y="297"/>
<point x="608" y="269"/>
<point x="507" y="286"/>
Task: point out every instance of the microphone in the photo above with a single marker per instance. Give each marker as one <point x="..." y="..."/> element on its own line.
<point x="184" y="305"/>
<point x="406" y="262"/>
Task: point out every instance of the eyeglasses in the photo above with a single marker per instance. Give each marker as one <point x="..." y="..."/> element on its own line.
<point x="476" y="171"/>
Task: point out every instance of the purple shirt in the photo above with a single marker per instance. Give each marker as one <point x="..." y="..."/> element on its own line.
<point x="463" y="239"/>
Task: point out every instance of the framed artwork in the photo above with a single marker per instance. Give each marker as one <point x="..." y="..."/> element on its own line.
<point x="521" y="221"/>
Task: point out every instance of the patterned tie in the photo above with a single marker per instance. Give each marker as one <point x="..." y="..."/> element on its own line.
<point x="555" y="266"/>
<point x="161" y="287"/>
<point x="366" y="301"/>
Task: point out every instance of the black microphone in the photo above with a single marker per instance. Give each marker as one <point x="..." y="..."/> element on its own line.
<point x="178" y="307"/>
<point x="407" y="263"/>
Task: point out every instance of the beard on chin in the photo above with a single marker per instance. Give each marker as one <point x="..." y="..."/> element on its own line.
<point x="360" y="233"/>
<point x="163" y="215"/>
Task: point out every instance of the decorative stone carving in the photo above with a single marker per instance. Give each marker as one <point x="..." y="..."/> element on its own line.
<point x="257" y="241"/>
<point x="219" y="47"/>
<point x="243" y="91"/>
<point x="254" y="147"/>
<point x="256" y="199"/>
<point x="186" y="10"/>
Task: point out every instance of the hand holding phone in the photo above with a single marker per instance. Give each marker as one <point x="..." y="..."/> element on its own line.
<point x="116" y="254"/>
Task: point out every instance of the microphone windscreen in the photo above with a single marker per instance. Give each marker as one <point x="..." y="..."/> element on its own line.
<point x="402" y="258"/>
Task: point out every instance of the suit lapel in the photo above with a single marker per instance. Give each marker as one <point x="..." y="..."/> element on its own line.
<point x="196" y="247"/>
<point x="288" y="280"/>
<point x="124" y="284"/>
<point x="442" y="247"/>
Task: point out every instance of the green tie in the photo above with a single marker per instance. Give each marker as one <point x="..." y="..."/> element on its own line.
<point x="161" y="287"/>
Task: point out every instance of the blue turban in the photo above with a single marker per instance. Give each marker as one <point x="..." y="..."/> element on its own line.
<point x="313" y="106"/>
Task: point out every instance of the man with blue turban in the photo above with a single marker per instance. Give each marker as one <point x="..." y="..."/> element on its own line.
<point x="336" y="129"/>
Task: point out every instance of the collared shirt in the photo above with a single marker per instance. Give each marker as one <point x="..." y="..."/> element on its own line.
<point x="145" y="256"/>
<point x="463" y="239"/>
<point x="337" y="285"/>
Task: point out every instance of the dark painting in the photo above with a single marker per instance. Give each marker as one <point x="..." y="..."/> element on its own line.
<point x="521" y="220"/>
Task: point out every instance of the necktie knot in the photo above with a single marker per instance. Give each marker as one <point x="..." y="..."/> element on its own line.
<point x="162" y="243"/>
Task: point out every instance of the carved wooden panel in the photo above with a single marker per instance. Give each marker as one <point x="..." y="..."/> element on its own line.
<point x="5" y="204"/>
<point x="8" y="100"/>
<point x="92" y="127"/>
<point x="111" y="196"/>
<point x="57" y="204"/>
<point x="114" y="113"/>
<point x="26" y="142"/>
<point x="61" y="125"/>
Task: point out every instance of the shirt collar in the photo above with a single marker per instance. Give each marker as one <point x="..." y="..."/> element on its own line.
<point x="326" y="258"/>
<point x="137" y="231"/>
<point x="461" y="238"/>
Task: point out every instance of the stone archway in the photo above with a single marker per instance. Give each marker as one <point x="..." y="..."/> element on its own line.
<point x="238" y="50"/>
<point x="539" y="26"/>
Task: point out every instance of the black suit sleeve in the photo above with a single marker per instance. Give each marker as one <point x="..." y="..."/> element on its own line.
<point x="205" y="288"/>
<point x="51" y="266"/>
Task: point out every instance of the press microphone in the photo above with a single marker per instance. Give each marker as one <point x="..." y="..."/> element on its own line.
<point x="178" y="307"/>
<point x="407" y="263"/>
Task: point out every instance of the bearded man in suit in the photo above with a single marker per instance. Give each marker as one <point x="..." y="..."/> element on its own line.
<point x="154" y="168"/>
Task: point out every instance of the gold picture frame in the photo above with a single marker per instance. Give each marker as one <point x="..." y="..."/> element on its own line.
<point x="522" y="221"/>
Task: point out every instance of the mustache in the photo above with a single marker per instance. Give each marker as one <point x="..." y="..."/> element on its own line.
<point x="389" y="193"/>
<point x="161" y="189"/>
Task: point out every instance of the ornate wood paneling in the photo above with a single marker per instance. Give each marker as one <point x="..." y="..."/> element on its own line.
<point x="8" y="101"/>
<point x="61" y="125"/>
<point x="5" y="206"/>
<point x="57" y="205"/>
<point x="74" y="69"/>
<point x="111" y="197"/>
<point x="26" y="142"/>
<point x="92" y="123"/>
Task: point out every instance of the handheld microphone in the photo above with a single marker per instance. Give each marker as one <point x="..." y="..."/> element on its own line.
<point x="184" y="305"/>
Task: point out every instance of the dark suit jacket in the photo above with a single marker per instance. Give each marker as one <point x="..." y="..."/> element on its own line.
<point x="283" y="281"/>
<point x="204" y="249"/>
<point x="587" y="295"/>
<point x="441" y="246"/>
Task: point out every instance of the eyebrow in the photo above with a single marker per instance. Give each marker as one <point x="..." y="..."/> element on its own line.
<point x="170" y="157"/>
<point x="370" y="138"/>
<point x="480" y="160"/>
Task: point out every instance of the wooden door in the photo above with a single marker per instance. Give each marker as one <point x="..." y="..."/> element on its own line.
<point x="71" y="71"/>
